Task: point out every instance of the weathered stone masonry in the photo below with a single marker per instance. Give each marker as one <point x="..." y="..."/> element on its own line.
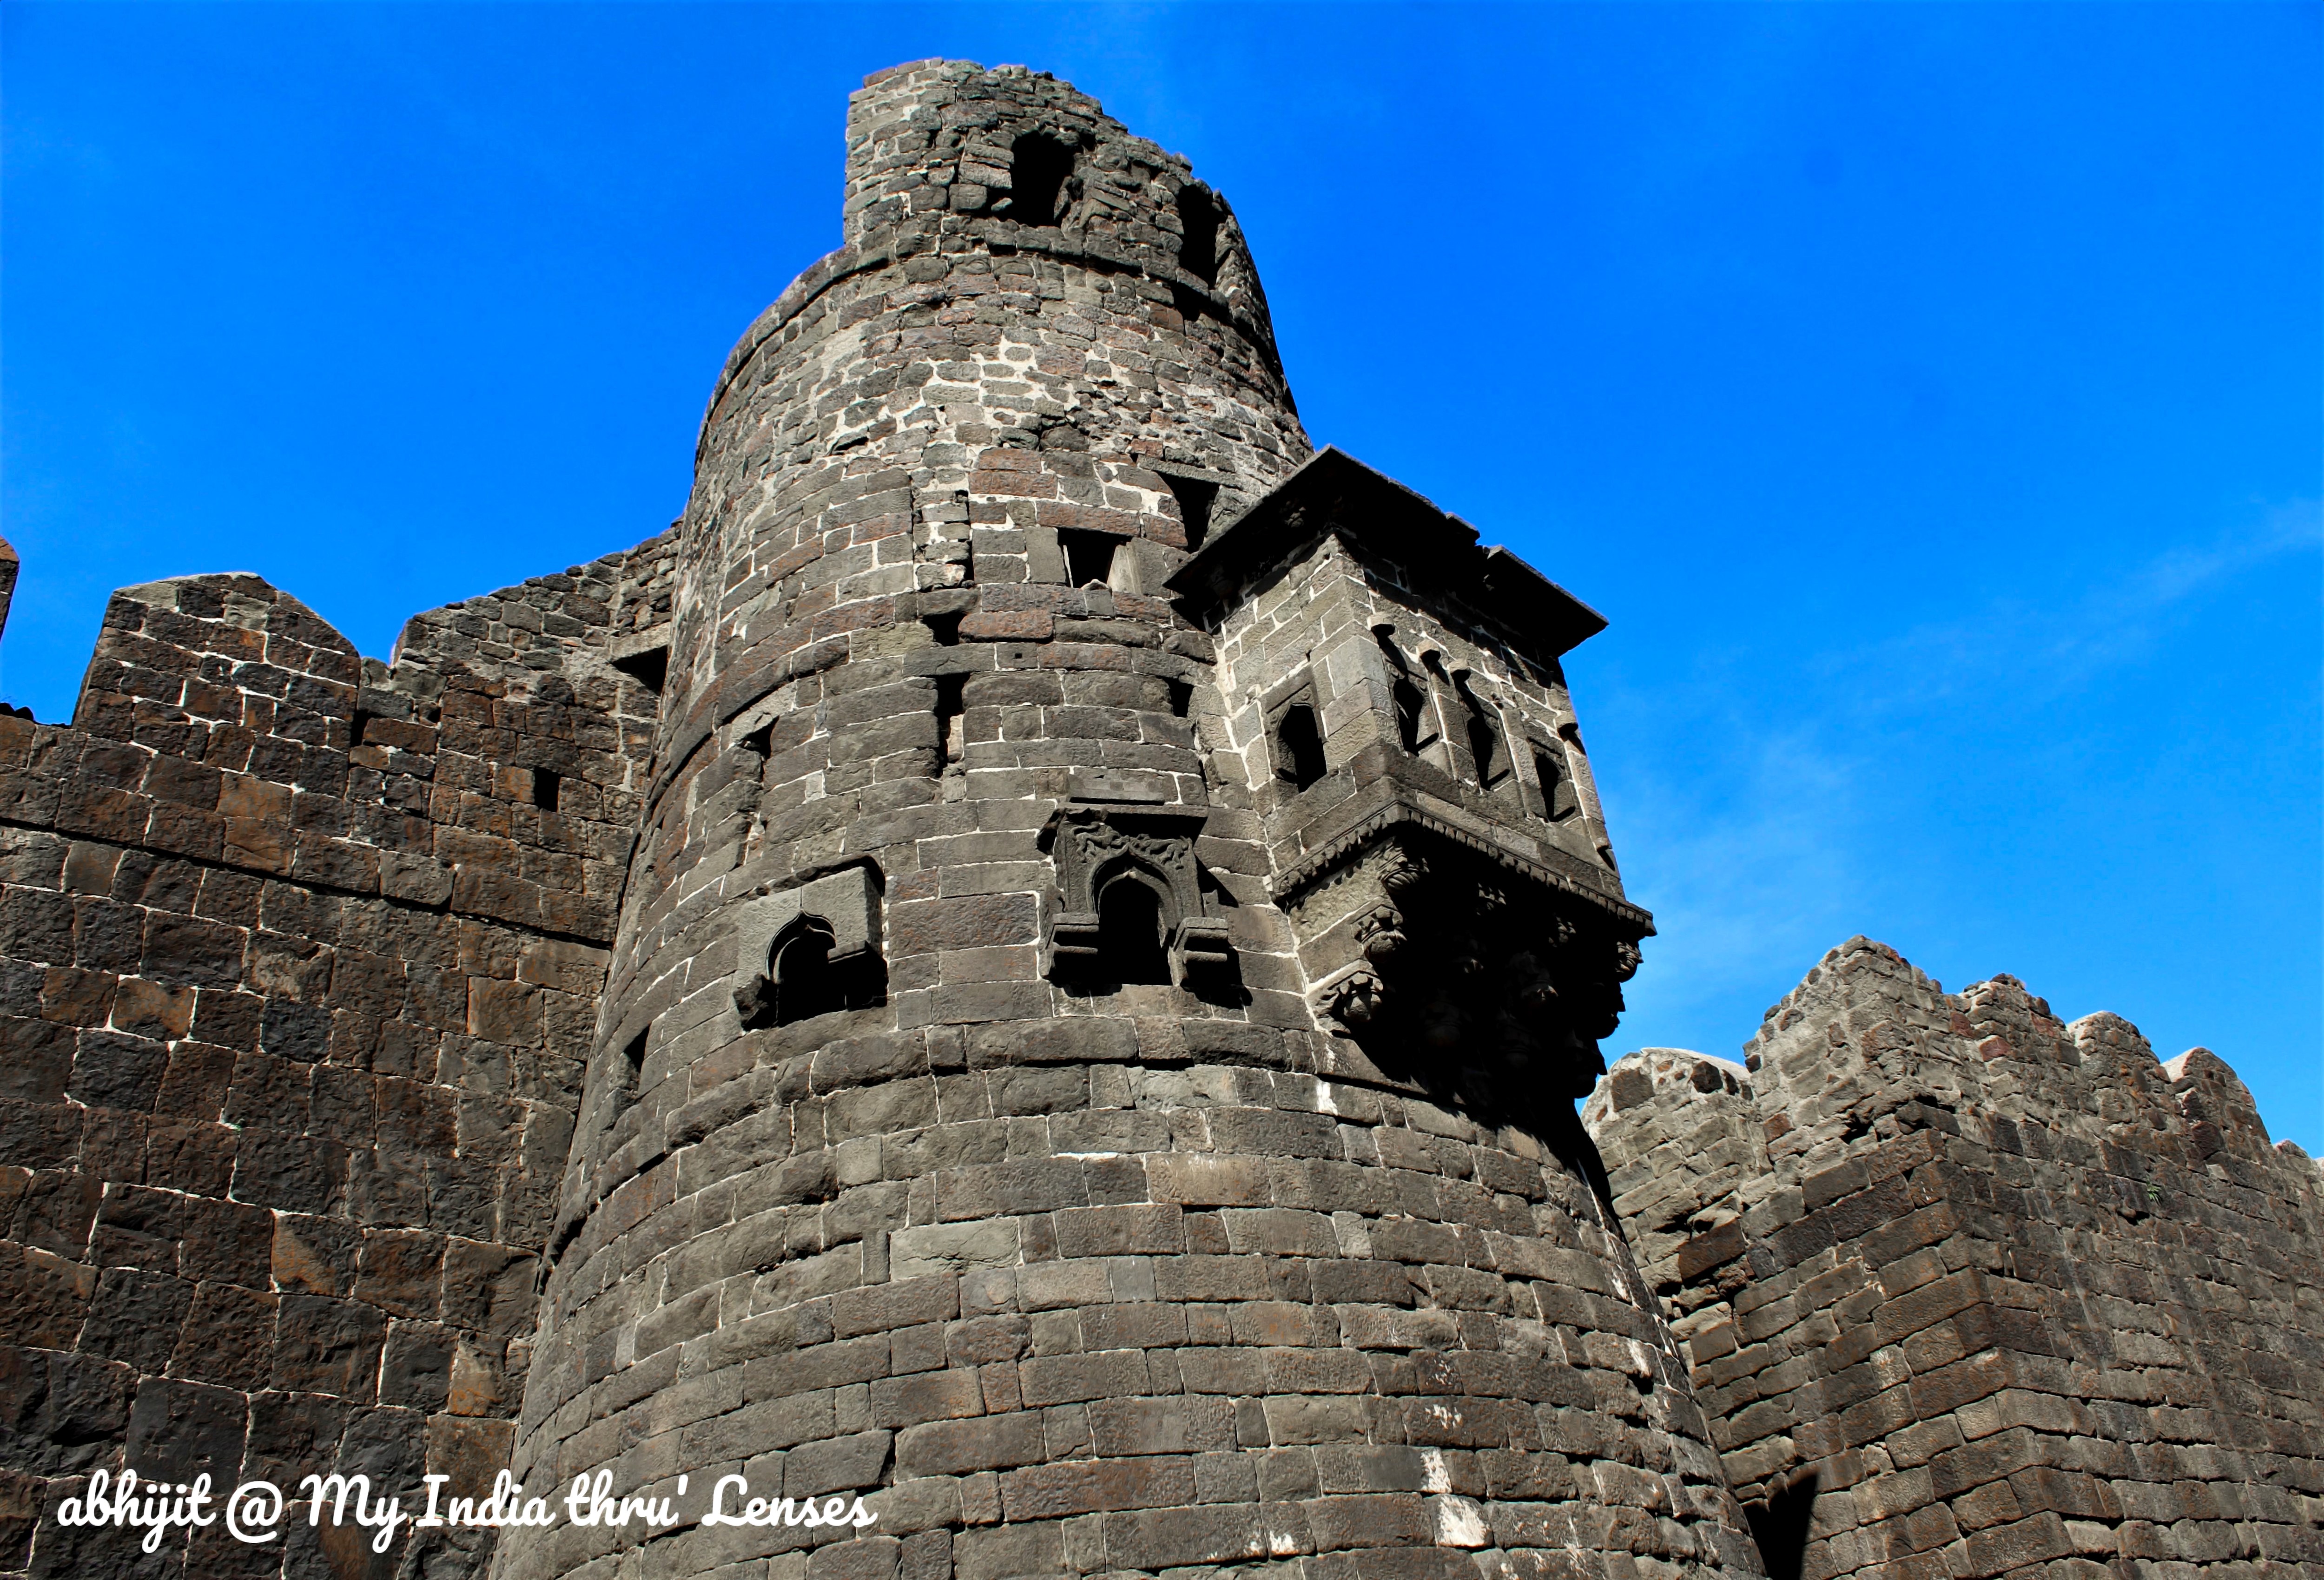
<point x="1030" y="957"/>
<point x="1064" y="1222"/>
<point x="303" y="957"/>
<point x="1967" y="1292"/>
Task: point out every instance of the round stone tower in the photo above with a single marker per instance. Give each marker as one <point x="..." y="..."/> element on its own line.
<point x="1119" y="917"/>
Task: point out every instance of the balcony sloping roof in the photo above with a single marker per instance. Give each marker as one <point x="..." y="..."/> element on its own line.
<point x="1431" y="551"/>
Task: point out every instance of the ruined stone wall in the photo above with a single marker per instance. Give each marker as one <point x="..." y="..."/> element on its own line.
<point x="1970" y="1292"/>
<point x="1073" y="1267"/>
<point x="298" y="968"/>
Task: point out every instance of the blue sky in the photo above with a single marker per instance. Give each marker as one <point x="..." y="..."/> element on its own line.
<point x="1930" y="394"/>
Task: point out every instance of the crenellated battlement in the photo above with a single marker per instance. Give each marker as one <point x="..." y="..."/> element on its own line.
<point x="1966" y="1287"/>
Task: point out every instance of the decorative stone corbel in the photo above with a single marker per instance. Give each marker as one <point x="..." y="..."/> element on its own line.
<point x="1466" y="965"/>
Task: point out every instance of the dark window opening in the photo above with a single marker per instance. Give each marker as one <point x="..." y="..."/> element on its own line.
<point x="1089" y="556"/>
<point x="545" y="787"/>
<point x="1182" y="697"/>
<point x="804" y="983"/>
<point x="1038" y="169"/>
<point x="945" y="628"/>
<point x="649" y="669"/>
<point x="1198" y="213"/>
<point x="1411" y="714"/>
<point x="354" y="729"/>
<point x="1195" y="500"/>
<point x="1298" y="747"/>
<point x="1411" y="703"/>
<point x="1780" y="1527"/>
<point x="1130" y="932"/>
<point x="1487" y="749"/>
<point x="952" y="728"/>
<point x="761" y="740"/>
<point x="1191" y="304"/>
<point x="631" y="1070"/>
<point x="1558" y="799"/>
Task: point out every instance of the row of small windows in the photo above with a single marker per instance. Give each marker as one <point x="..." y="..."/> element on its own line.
<point x="1298" y="737"/>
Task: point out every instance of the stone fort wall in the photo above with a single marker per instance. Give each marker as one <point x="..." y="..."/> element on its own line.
<point x="1030" y="957"/>
<point x="1966" y="1291"/>
<point x="300" y="963"/>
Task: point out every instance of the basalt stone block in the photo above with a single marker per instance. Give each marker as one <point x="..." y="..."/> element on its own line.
<point x="112" y="1070"/>
<point x="65" y="1413"/>
<point x="192" y="951"/>
<point x="183" y="1430"/>
<point x="227" y="1338"/>
<point x="328" y="1346"/>
<point x="402" y="1272"/>
<point x="226" y="1241"/>
<point x="36" y="1059"/>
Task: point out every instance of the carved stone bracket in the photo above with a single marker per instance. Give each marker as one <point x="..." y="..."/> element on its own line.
<point x="1458" y="968"/>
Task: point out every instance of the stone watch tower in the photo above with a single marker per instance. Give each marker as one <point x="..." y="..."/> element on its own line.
<point x="1120" y="919"/>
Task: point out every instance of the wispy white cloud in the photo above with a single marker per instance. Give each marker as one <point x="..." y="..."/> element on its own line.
<point x="2046" y="650"/>
<point x="1751" y="835"/>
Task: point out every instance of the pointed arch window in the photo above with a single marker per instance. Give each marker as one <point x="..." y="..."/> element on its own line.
<point x="1132" y="926"/>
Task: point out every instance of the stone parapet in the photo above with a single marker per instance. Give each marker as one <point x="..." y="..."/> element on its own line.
<point x="1970" y="1291"/>
<point x="300" y="956"/>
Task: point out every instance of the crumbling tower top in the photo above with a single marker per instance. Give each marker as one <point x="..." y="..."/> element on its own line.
<point x="942" y="153"/>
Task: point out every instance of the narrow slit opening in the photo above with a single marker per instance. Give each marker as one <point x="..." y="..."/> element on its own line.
<point x="546" y="788"/>
<point x="952" y="715"/>
<point x="1557" y="797"/>
<point x="1487" y="748"/>
<point x="632" y="1071"/>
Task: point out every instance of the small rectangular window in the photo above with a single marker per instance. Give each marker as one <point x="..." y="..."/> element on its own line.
<point x="546" y="786"/>
<point x="1089" y="556"/>
<point x="1298" y="746"/>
